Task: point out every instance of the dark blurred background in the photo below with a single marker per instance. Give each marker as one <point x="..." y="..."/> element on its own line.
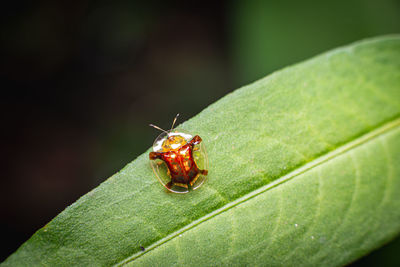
<point x="82" y="80"/>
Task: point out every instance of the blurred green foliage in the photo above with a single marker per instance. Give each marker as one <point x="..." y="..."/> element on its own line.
<point x="269" y="35"/>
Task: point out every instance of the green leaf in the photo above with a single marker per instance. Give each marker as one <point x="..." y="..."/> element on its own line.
<point x="304" y="170"/>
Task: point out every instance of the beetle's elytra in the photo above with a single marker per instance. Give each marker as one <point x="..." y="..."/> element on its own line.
<point x="179" y="160"/>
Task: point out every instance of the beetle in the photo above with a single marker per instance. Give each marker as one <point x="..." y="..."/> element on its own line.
<point x="179" y="160"/>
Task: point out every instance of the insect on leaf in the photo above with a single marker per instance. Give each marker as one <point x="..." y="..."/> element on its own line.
<point x="304" y="169"/>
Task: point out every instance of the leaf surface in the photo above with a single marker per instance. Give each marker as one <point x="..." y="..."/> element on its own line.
<point x="304" y="170"/>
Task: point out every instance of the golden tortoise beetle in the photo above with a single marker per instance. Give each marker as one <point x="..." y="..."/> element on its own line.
<point x="179" y="160"/>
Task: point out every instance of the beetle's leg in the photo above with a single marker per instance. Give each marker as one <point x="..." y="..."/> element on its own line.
<point x="195" y="140"/>
<point x="194" y="179"/>
<point x="155" y="155"/>
<point x="169" y="185"/>
<point x="204" y="172"/>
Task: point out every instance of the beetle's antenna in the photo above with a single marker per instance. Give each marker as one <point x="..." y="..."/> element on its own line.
<point x="173" y="123"/>
<point x="158" y="128"/>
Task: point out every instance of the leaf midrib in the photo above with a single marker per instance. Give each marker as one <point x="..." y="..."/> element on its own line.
<point x="366" y="137"/>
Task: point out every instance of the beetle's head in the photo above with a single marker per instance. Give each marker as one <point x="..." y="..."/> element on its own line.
<point x="173" y="142"/>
